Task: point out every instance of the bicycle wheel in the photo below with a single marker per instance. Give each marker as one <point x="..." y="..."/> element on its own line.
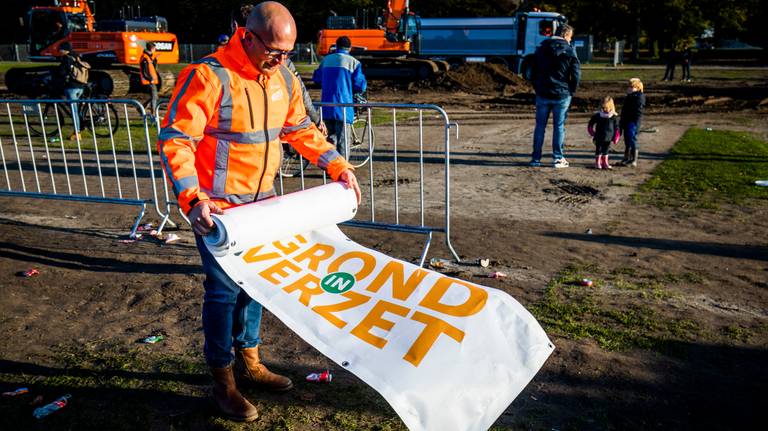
<point x="105" y="119"/>
<point x="360" y="146"/>
<point x="48" y="122"/>
<point x="292" y="163"/>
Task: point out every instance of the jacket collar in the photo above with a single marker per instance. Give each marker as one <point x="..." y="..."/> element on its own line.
<point x="234" y="57"/>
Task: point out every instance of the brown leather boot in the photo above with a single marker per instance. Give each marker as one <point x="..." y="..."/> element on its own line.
<point x="249" y="371"/>
<point x="229" y="401"/>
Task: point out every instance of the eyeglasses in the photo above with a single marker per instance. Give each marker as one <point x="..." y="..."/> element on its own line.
<point x="271" y="52"/>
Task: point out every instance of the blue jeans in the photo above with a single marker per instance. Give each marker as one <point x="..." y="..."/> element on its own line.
<point x="630" y="136"/>
<point x="559" y="110"/>
<point x="230" y="316"/>
<point x="74" y="94"/>
<point x="337" y="133"/>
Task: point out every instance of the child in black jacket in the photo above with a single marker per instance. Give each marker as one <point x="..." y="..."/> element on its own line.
<point x="603" y="127"/>
<point x="631" y="116"/>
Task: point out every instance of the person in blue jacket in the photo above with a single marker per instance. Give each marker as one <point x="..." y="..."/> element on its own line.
<point x="340" y="75"/>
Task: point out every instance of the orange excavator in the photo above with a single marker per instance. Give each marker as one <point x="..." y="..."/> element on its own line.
<point x="385" y="50"/>
<point x="404" y="45"/>
<point x="110" y="46"/>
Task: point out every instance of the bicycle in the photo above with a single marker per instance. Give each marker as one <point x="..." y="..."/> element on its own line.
<point x="100" y="118"/>
<point x="359" y="149"/>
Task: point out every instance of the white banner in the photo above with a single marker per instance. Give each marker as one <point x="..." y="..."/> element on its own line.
<point x="445" y="353"/>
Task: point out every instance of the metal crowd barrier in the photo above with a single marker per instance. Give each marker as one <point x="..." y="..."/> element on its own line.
<point x="110" y="157"/>
<point x="401" y="140"/>
<point x="106" y="156"/>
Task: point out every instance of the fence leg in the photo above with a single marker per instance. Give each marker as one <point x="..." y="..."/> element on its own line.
<point x="425" y="249"/>
<point x="138" y="220"/>
<point x="166" y="220"/>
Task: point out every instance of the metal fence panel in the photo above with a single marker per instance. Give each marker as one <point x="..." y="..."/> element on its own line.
<point x="90" y="150"/>
<point x="406" y="178"/>
<point x="14" y="52"/>
<point x="402" y="154"/>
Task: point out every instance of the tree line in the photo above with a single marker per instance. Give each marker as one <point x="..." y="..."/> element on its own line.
<point x="656" y="24"/>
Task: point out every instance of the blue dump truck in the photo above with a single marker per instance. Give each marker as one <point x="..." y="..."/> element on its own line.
<point x="403" y="45"/>
<point x="505" y="40"/>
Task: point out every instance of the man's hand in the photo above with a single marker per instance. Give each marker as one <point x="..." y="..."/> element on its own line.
<point x="323" y="128"/>
<point x="349" y="177"/>
<point x="200" y="217"/>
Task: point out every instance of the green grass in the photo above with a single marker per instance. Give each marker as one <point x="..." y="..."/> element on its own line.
<point x="121" y="137"/>
<point x="119" y="385"/>
<point x="707" y="169"/>
<point x="5" y="65"/>
<point x="574" y="311"/>
<point x="648" y="74"/>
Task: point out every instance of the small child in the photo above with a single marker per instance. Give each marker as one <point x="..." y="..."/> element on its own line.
<point x="631" y="114"/>
<point x="603" y="127"/>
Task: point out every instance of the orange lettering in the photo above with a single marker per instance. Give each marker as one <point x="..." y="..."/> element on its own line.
<point x="279" y="269"/>
<point x="315" y="254"/>
<point x="327" y="311"/>
<point x="374" y="318"/>
<point x="253" y="255"/>
<point x="473" y="304"/>
<point x="429" y="335"/>
<point x="291" y="246"/>
<point x="309" y="285"/>
<point x="394" y="270"/>
<point x="369" y="263"/>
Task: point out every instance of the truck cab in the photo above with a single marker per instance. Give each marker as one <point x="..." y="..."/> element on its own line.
<point x="532" y="29"/>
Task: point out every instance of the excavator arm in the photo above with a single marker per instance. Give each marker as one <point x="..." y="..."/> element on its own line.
<point x="396" y="9"/>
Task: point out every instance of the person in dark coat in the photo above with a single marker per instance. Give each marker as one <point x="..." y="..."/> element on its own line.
<point x="73" y="90"/>
<point x="631" y="116"/>
<point x="555" y="74"/>
<point x="685" y="62"/>
<point x="603" y="127"/>
<point x="673" y="57"/>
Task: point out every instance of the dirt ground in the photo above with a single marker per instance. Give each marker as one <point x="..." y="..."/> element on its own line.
<point x="531" y="222"/>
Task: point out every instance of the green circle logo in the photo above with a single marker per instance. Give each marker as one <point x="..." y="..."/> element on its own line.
<point x="337" y="282"/>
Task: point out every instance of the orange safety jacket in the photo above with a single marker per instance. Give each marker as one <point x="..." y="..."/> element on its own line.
<point x="148" y="69"/>
<point x="220" y="139"/>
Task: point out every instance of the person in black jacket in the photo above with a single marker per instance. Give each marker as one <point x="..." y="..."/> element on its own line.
<point x="555" y="74"/>
<point x="673" y="57"/>
<point x="631" y="115"/>
<point x="73" y="90"/>
<point x="685" y="62"/>
<point x="603" y="127"/>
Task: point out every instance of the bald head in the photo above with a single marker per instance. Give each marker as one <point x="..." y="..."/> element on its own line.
<point x="272" y="20"/>
<point x="270" y="36"/>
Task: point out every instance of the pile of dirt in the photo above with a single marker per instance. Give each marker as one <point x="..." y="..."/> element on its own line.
<point x="484" y="78"/>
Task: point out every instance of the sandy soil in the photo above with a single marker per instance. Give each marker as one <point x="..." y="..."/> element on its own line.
<point x="530" y="221"/>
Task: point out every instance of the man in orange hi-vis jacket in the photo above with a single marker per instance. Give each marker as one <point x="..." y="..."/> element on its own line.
<point x="220" y="146"/>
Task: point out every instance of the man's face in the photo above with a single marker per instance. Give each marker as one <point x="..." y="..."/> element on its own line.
<point x="267" y="51"/>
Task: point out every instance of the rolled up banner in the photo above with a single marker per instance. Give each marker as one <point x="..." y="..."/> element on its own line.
<point x="281" y="217"/>
<point x="445" y="353"/>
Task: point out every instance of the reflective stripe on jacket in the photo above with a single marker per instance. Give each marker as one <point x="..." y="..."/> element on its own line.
<point x="220" y="139"/>
<point x="148" y="66"/>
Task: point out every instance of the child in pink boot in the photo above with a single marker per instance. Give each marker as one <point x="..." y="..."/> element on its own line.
<point x="604" y="129"/>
